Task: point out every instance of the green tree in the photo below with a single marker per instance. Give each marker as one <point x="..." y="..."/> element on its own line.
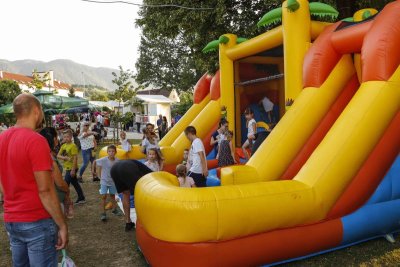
<point x="71" y="92"/>
<point x="39" y="80"/>
<point x="8" y="91"/>
<point x="125" y="91"/>
<point x="170" y="53"/>
<point x="98" y="96"/>
<point x="185" y="103"/>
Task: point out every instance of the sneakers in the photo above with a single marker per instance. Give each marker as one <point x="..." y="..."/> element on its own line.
<point x="96" y="179"/>
<point x="80" y="180"/>
<point x="390" y="238"/>
<point x="116" y="212"/>
<point x="80" y="201"/>
<point x="129" y="226"/>
<point x="103" y="217"/>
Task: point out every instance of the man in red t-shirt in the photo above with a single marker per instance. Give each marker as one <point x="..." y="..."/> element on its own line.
<point x="32" y="213"/>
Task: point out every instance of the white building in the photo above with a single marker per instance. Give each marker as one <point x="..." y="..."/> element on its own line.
<point x="154" y="105"/>
<point x="52" y="85"/>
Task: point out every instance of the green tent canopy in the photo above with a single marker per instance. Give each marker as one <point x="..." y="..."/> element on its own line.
<point x="55" y="104"/>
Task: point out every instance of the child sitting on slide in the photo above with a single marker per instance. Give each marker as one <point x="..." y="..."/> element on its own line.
<point x="184" y="181"/>
<point x="251" y="131"/>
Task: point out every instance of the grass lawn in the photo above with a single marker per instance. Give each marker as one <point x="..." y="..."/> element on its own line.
<point x="94" y="243"/>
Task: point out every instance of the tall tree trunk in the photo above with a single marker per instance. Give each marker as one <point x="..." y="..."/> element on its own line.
<point x="346" y="8"/>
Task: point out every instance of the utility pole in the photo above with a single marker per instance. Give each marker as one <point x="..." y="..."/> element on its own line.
<point x="84" y="84"/>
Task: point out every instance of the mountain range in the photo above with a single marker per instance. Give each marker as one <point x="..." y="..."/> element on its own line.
<point x="64" y="70"/>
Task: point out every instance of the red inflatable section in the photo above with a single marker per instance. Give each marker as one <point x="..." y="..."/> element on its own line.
<point x="381" y="53"/>
<point x="202" y="88"/>
<point x="215" y="87"/>
<point x="320" y="59"/>
<point x="254" y="250"/>
<point x="355" y="33"/>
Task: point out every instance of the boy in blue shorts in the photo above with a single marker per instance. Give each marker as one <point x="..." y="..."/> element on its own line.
<point x="107" y="185"/>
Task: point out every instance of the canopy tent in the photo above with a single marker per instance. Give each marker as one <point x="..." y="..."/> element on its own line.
<point x="55" y="104"/>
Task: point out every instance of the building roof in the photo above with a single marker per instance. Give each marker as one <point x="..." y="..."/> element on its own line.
<point x="163" y="92"/>
<point x="155" y="99"/>
<point x="23" y="79"/>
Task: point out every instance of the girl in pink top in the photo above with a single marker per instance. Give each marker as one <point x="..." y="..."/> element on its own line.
<point x="184" y="181"/>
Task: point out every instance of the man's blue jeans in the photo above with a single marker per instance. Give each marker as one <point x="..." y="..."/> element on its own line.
<point x="86" y="156"/>
<point x="33" y="244"/>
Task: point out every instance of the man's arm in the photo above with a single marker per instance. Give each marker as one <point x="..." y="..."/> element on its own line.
<point x="203" y="163"/>
<point x="49" y="199"/>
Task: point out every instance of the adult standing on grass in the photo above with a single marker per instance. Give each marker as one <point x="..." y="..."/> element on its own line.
<point x="88" y="145"/>
<point x="125" y="174"/>
<point x="164" y="127"/>
<point x="159" y="125"/>
<point x="32" y="214"/>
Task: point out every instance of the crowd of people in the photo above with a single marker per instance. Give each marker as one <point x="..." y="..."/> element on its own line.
<point x="38" y="166"/>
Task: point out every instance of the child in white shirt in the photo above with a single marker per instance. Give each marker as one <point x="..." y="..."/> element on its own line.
<point x="126" y="146"/>
<point x="197" y="163"/>
<point x="251" y="131"/>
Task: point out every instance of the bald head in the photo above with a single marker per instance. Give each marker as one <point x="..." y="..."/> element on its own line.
<point x="24" y="104"/>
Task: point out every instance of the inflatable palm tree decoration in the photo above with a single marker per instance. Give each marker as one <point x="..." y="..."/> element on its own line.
<point x="214" y="45"/>
<point x="316" y="9"/>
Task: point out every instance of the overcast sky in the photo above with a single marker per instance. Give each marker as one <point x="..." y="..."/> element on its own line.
<point x="99" y="35"/>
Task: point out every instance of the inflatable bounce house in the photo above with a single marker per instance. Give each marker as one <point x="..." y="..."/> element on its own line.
<point x="328" y="174"/>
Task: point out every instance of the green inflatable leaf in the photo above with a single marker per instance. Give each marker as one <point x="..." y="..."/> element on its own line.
<point x="211" y="46"/>
<point x="273" y="16"/>
<point x="223" y="39"/>
<point x="321" y="9"/>
<point x="240" y="40"/>
<point x="349" y="19"/>
<point x="366" y="14"/>
<point x="214" y="45"/>
<point x="293" y="5"/>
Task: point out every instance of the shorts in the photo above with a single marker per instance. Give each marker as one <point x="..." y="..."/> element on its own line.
<point x="198" y="178"/>
<point x="108" y="189"/>
<point x="248" y="143"/>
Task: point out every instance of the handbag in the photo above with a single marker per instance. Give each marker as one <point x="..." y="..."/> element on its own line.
<point x="66" y="261"/>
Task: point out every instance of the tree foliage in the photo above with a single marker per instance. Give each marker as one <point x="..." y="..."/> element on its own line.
<point x="8" y="91"/>
<point x="71" y="92"/>
<point x="184" y="105"/>
<point x="125" y="89"/>
<point x="39" y="80"/>
<point x="172" y="39"/>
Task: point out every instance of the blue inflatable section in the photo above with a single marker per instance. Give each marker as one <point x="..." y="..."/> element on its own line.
<point x="212" y="154"/>
<point x="212" y="178"/>
<point x="380" y="215"/>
